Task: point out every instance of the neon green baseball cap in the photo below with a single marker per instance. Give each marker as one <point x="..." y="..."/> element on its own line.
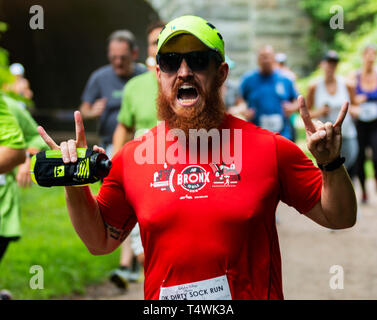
<point x="198" y="27"/>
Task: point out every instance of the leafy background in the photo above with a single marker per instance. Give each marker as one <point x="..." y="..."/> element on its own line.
<point x="360" y="30"/>
<point x="5" y="75"/>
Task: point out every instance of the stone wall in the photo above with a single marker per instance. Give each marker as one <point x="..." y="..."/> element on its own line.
<point x="248" y="24"/>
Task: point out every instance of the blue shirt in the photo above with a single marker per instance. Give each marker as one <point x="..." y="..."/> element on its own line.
<point x="266" y="94"/>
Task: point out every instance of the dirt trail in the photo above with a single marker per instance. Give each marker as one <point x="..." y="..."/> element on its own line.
<point x="308" y="252"/>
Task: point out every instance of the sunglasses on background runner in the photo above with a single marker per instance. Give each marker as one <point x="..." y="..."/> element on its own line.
<point x="196" y="60"/>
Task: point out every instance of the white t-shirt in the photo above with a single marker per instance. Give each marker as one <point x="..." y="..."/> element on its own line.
<point x="335" y="102"/>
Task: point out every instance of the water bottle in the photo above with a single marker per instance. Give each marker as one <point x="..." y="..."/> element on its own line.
<point x="47" y="168"/>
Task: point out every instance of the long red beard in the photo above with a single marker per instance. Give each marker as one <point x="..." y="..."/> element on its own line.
<point x="209" y="117"/>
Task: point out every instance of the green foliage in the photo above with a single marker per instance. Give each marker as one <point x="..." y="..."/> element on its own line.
<point x="359" y="18"/>
<point x="3" y="26"/>
<point x="360" y="30"/>
<point x="356" y="11"/>
<point x="49" y="240"/>
<point x="351" y="46"/>
<point x="5" y="75"/>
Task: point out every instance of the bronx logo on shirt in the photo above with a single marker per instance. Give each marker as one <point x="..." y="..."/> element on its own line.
<point x="193" y="178"/>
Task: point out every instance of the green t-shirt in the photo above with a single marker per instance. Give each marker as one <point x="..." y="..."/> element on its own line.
<point x="27" y="124"/>
<point x="10" y="211"/>
<point x="10" y="132"/>
<point x="12" y="137"/>
<point x="138" y="108"/>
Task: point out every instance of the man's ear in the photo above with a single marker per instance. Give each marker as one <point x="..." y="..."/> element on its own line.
<point x="158" y="73"/>
<point x="223" y="72"/>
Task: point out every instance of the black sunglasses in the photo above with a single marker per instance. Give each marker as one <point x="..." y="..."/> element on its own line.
<point x="196" y="60"/>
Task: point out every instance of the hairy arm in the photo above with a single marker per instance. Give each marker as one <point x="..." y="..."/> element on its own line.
<point x="86" y="218"/>
<point x="337" y="207"/>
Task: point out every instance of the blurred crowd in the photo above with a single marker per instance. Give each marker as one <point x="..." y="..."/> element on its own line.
<point x="122" y="97"/>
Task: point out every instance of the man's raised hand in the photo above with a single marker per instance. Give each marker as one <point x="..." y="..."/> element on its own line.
<point x="68" y="148"/>
<point x="324" y="140"/>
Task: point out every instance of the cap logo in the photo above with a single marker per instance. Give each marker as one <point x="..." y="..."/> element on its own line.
<point x="172" y="28"/>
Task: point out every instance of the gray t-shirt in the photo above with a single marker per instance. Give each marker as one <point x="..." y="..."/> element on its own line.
<point x="105" y="83"/>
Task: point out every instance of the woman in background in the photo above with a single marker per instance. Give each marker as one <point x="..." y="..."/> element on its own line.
<point x="327" y="96"/>
<point x="365" y="81"/>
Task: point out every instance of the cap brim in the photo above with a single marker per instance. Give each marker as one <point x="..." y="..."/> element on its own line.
<point x="196" y="35"/>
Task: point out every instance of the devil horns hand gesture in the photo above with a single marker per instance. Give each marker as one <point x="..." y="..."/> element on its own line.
<point x="324" y="140"/>
<point x="68" y="148"/>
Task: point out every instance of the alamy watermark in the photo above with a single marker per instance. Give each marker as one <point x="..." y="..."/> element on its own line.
<point x="337" y="280"/>
<point x="37" y="20"/>
<point x="337" y="20"/>
<point x="37" y="280"/>
<point x="199" y="146"/>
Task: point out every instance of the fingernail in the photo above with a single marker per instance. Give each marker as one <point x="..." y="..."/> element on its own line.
<point x="322" y="134"/>
<point x="65" y="159"/>
<point x="73" y="159"/>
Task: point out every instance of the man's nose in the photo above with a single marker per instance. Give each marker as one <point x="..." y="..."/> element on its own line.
<point x="184" y="70"/>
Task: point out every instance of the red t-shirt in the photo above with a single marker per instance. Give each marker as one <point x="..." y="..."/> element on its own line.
<point x="203" y="221"/>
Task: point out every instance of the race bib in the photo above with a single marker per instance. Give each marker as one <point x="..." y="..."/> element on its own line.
<point x="368" y="111"/>
<point x="272" y="122"/>
<point x="211" y="289"/>
<point x="2" y="179"/>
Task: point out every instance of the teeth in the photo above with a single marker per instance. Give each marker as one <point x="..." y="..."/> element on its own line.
<point x="186" y="86"/>
<point x="187" y="100"/>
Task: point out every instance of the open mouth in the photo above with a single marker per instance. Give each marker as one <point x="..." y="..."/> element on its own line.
<point x="187" y="95"/>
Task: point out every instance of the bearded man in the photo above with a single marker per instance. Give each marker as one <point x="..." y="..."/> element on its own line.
<point x="208" y="227"/>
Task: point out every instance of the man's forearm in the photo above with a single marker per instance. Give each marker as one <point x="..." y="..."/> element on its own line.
<point x="86" y="218"/>
<point x="338" y="198"/>
<point x="86" y="110"/>
<point x="10" y="158"/>
<point x="122" y="134"/>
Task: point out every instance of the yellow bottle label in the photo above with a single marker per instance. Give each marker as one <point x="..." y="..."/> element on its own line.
<point x="83" y="169"/>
